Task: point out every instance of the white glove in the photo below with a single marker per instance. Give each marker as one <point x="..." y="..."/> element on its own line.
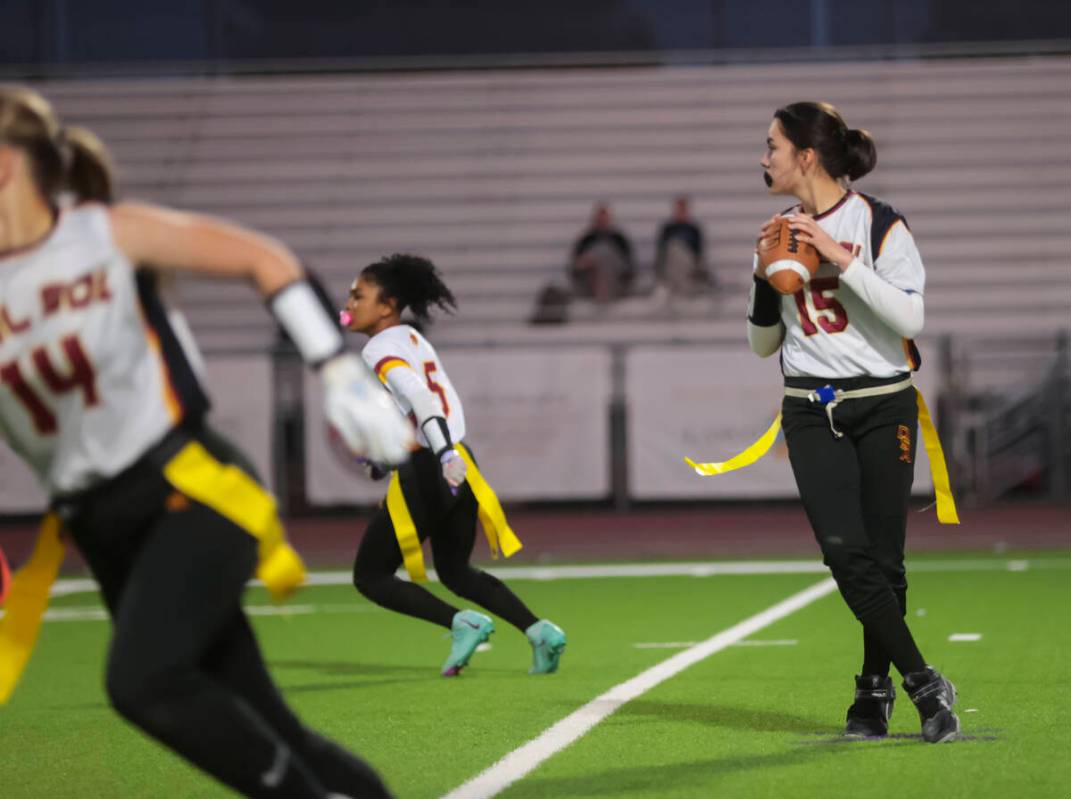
<point x="454" y="468"/>
<point x="363" y="413"/>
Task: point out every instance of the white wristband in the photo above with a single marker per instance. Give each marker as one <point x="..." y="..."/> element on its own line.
<point x="299" y="311"/>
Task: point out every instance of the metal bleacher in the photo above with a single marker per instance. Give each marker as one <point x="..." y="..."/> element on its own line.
<point x="493" y="175"/>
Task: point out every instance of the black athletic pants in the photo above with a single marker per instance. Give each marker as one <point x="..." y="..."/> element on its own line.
<point x="855" y="490"/>
<point x="184" y="665"/>
<point x="450" y="523"/>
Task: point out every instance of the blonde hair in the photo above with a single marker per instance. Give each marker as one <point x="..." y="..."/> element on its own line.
<point x="61" y="159"/>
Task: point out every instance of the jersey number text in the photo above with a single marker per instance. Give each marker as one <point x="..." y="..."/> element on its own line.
<point x="430" y="368"/>
<point x="79" y="375"/>
<point x="822" y="308"/>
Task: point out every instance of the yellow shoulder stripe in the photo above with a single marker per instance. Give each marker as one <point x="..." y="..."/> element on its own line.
<point x="385" y="365"/>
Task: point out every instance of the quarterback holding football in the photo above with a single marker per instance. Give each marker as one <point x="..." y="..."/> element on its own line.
<point x="838" y="287"/>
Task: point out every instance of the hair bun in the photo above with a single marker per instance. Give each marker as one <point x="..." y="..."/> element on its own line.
<point x="862" y="152"/>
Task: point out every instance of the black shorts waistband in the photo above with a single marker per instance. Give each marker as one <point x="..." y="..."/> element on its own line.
<point x="844" y="383"/>
<point x="154" y="458"/>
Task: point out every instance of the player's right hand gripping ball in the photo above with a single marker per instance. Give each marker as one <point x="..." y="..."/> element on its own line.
<point x="787" y="262"/>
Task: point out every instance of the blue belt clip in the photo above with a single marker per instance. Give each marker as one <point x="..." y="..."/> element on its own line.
<point x="828" y="398"/>
<point x="824" y="395"/>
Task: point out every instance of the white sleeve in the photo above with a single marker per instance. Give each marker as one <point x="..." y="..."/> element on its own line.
<point x="405" y="383"/>
<point x="765" y="330"/>
<point x="898" y="262"/>
<point x="900" y="309"/>
<point x="765" y="341"/>
<point x="893" y="288"/>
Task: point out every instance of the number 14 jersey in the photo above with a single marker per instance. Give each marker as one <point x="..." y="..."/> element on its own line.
<point x="829" y="330"/>
<point x="91" y="374"/>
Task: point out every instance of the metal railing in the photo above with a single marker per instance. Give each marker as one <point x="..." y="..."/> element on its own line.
<point x="1015" y="436"/>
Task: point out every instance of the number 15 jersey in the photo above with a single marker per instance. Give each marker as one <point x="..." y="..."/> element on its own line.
<point x="829" y="330"/>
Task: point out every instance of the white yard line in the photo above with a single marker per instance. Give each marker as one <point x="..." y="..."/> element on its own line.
<point x="97" y="613"/>
<point x="66" y="587"/>
<point x="522" y="761"/>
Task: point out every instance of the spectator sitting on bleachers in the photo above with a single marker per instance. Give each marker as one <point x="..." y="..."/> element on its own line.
<point x="680" y="264"/>
<point x="602" y="267"/>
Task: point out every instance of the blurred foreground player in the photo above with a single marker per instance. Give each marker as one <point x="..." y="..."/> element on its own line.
<point x="850" y="413"/>
<point x="440" y="492"/>
<point x="5" y="578"/>
<point x="98" y="399"/>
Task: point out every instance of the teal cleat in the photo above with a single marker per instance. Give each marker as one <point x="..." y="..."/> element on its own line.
<point x="468" y="630"/>
<point x="548" y="643"/>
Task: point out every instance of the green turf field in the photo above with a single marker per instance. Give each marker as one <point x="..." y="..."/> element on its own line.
<point x="750" y="720"/>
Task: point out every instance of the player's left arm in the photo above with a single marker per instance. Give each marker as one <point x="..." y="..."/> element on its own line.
<point x="354" y="402"/>
<point x="431" y="419"/>
<point x="168" y="240"/>
<point x="404" y="382"/>
<point x="172" y="240"/>
<point x="893" y="288"/>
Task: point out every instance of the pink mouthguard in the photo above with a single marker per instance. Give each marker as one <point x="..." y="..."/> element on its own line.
<point x="344" y="318"/>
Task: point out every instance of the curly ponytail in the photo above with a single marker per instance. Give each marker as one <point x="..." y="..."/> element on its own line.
<point x="412" y="282"/>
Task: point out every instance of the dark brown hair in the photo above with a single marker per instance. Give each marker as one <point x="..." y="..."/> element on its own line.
<point x="842" y="151"/>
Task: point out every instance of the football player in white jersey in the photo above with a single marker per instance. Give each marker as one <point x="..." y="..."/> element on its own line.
<point x="433" y="483"/>
<point x="97" y="397"/>
<point x="850" y="414"/>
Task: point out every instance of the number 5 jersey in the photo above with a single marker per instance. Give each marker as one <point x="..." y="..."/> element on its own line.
<point x="829" y="330"/>
<point x="91" y="374"/>
<point x="402" y="347"/>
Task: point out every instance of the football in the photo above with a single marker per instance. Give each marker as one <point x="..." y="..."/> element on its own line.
<point x="787" y="262"/>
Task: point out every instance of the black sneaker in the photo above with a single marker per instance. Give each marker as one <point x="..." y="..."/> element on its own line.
<point x="869" y="715"/>
<point x="933" y="696"/>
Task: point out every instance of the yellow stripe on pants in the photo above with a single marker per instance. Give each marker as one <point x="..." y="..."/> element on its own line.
<point x="196" y="473"/>
<point x="405" y="531"/>
<point x="26" y="604"/>
<point x="243" y="501"/>
<point x="745" y="458"/>
<point x="946" y="503"/>
<point x="500" y="536"/>
<point x="942" y="489"/>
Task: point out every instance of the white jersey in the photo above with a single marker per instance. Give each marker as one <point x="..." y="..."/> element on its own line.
<point x="402" y="347"/>
<point x="91" y="375"/>
<point x="829" y="330"/>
